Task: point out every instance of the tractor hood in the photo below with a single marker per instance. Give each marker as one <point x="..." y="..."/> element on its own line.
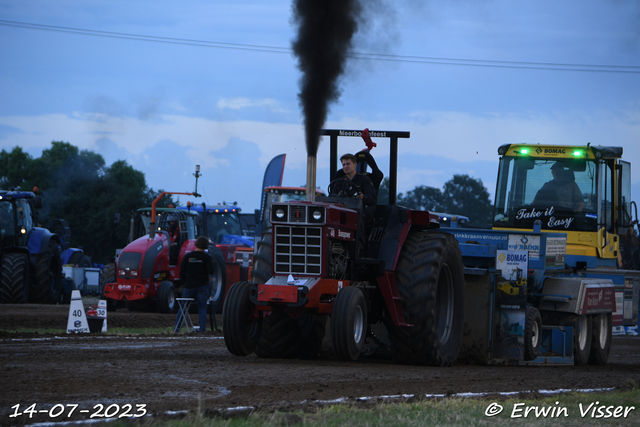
<point x="139" y="257"/>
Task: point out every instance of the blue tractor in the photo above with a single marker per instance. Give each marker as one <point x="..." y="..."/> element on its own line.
<point x="31" y="259"/>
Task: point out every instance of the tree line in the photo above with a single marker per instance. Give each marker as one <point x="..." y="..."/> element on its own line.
<point x="76" y="185"/>
<point x="461" y="195"/>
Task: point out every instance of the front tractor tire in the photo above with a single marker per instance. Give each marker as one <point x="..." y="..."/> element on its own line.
<point x="108" y="276"/>
<point x="241" y="329"/>
<point x="430" y="278"/>
<point x="218" y="284"/>
<point x="582" y="335"/>
<point x="601" y="331"/>
<point x="48" y="276"/>
<point x="167" y="298"/>
<point x="532" y="333"/>
<point x="349" y="323"/>
<point x="14" y="279"/>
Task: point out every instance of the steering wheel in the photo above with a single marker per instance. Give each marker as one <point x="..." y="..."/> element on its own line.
<point x="347" y="188"/>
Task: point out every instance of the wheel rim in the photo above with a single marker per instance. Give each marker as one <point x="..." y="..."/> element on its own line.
<point x="358" y="324"/>
<point x="444" y="304"/>
<point x="604" y="330"/>
<point x="535" y="335"/>
<point x="582" y="337"/>
<point x="171" y="300"/>
<point x="216" y="289"/>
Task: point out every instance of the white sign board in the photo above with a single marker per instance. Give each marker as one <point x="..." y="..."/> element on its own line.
<point x="514" y="264"/>
<point x="525" y="242"/>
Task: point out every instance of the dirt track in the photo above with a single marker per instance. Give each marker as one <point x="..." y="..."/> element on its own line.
<point x="179" y="372"/>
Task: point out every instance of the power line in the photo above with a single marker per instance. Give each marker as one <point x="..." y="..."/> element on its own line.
<point x="549" y="66"/>
<point x="142" y="37"/>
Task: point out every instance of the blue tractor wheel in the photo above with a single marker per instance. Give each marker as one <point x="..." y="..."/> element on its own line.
<point x="14" y="278"/>
<point x="48" y="276"/>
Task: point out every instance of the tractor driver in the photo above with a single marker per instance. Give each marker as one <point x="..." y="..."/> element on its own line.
<point x="363" y="185"/>
<point x="174" y="230"/>
<point x="174" y="238"/>
<point x="365" y="190"/>
<point x="562" y="191"/>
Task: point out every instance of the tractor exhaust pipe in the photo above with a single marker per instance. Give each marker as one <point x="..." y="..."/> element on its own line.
<point x="311" y="178"/>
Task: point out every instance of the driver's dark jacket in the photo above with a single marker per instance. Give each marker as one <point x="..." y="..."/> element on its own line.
<point x="365" y="186"/>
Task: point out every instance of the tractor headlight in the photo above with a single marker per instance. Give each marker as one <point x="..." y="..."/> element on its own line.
<point x="279" y="213"/>
<point x="316" y="215"/>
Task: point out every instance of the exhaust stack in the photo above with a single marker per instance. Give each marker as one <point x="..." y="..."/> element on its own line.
<point x="311" y="178"/>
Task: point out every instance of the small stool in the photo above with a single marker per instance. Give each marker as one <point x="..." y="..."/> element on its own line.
<point x="183" y="315"/>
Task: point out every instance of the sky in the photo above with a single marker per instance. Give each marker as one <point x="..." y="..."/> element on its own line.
<point x="169" y="85"/>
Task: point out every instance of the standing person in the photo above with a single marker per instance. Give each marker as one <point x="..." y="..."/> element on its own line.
<point x="196" y="273"/>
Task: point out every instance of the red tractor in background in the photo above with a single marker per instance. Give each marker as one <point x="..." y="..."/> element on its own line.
<point x="148" y="269"/>
<point x="406" y="276"/>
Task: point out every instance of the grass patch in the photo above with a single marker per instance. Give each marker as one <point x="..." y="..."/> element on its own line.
<point x="567" y="409"/>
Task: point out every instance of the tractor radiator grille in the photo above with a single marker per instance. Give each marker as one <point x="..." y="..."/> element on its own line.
<point x="297" y="213"/>
<point x="298" y="250"/>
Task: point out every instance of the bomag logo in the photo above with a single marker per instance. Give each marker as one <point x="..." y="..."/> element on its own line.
<point x="517" y="258"/>
<point x="555" y="151"/>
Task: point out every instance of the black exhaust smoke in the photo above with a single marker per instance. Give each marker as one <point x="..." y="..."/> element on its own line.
<point x="325" y="31"/>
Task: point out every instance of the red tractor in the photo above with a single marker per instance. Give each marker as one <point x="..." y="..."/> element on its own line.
<point x="148" y="269"/>
<point x="398" y="280"/>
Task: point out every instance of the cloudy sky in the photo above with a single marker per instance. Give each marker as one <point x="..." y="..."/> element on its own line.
<point x="167" y="85"/>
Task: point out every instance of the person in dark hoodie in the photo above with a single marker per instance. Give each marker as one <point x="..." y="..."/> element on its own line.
<point x="196" y="273"/>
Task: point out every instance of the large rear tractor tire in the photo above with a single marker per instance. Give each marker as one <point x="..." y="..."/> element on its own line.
<point x="48" y="275"/>
<point x="79" y="259"/>
<point x="261" y="270"/>
<point x="279" y="337"/>
<point x="14" y="279"/>
<point x="601" y="331"/>
<point x="532" y="333"/>
<point x="582" y="335"/>
<point x="430" y="278"/>
<point x="167" y="298"/>
<point x="285" y="337"/>
<point x="108" y="276"/>
<point x="219" y="282"/>
<point x="349" y="323"/>
<point x="312" y="328"/>
<point x="241" y="329"/>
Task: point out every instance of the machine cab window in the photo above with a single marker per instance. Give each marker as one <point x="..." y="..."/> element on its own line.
<point x="6" y="218"/>
<point x="561" y="193"/>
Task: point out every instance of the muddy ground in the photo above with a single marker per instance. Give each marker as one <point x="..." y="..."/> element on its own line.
<point x="186" y="371"/>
